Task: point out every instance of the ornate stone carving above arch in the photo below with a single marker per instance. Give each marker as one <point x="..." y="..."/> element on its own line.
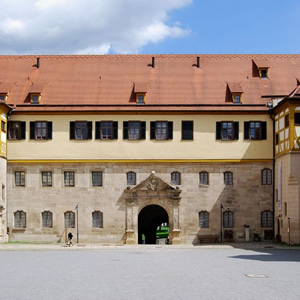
<point x="153" y="190"/>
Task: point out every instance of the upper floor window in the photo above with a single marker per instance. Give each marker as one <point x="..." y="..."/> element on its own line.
<point x="69" y="178"/>
<point x="69" y="219"/>
<point x="97" y="219"/>
<point x="131" y="178"/>
<point x="134" y="130"/>
<point x="266" y="219"/>
<point x="3" y="126"/>
<point x="228" y="178"/>
<point x="203" y="177"/>
<point x="106" y="130"/>
<point x="97" y="178"/>
<point x="255" y="130"/>
<point x="228" y="219"/>
<point x="175" y="178"/>
<point x="46" y="178"/>
<point x="81" y="130"/>
<point x="286" y="120"/>
<point x="41" y="130"/>
<point x="227" y="131"/>
<point x="20" y="219"/>
<point x="16" y="130"/>
<point x="47" y="219"/>
<point x="19" y="178"/>
<point x="187" y="132"/>
<point x="203" y="219"/>
<point x="266" y="177"/>
<point x="297" y="119"/>
<point x="161" y="130"/>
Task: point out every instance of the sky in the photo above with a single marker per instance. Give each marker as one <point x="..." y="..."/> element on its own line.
<point x="149" y="27"/>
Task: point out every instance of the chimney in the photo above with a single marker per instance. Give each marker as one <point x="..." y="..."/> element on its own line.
<point x="198" y="62"/>
<point x="153" y="62"/>
<point x="37" y="62"/>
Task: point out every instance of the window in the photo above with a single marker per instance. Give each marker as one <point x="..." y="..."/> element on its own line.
<point x="41" y="130"/>
<point x="3" y="97"/>
<point x="228" y="219"/>
<point x="297" y="119"/>
<point x="187" y="130"/>
<point x="266" y="219"/>
<point x="140" y="99"/>
<point x="276" y="139"/>
<point x="47" y="219"/>
<point x="237" y="98"/>
<point x="255" y="130"/>
<point x="106" y="130"/>
<point x="16" y="130"/>
<point x="285" y="209"/>
<point x="19" y="178"/>
<point x="175" y="178"/>
<point x="134" y="130"/>
<point x="97" y="178"/>
<point x="131" y="178"/>
<point x="3" y="126"/>
<point x="81" y="130"/>
<point x="46" y="178"/>
<point x="34" y="98"/>
<point x="203" y="177"/>
<point x="227" y="131"/>
<point x="97" y="219"/>
<point x="20" y="219"/>
<point x="286" y="121"/>
<point x="266" y="177"/>
<point x="69" y="178"/>
<point x="228" y="178"/>
<point x="203" y="219"/>
<point x="161" y="130"/>
<point x="263" y="73"/>
<point x="69" y="219"/>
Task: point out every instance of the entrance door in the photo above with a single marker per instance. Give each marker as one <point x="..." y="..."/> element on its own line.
<point x="150" y="217"/>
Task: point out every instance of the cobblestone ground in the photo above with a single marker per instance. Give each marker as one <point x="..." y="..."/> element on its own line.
<point x="149" y="272"/>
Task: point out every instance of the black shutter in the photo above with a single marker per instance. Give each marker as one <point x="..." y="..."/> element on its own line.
<point x="72" y="130"/>
<point x="23" y="130"/>
<point x="32" y="130"/>
<point x="263" y="130"/>
<point x="125" y="130"/>
<point x="246" y="130"/>
<point x="143" y="130"/>
<point x="49" y="128"/>
<point x="115" y="130"/>
<point x="170" y="130"/>
<point x="187" y="130"/>
<point x="90" y="130"/>
<point x="98" y="130"/>
<point x="236" y="130"/>
<point x="152" y="130"/>
<point x="218" y="131"/>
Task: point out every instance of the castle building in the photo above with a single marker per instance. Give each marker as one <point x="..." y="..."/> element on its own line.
<point x="113" y="146"/>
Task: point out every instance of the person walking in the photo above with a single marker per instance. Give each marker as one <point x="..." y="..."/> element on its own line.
<point x="70" y="237"/>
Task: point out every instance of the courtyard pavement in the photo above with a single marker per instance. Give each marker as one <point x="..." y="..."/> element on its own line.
<point x="95" y="271"/>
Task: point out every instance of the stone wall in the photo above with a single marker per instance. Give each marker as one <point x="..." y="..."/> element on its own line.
<point x="246" y="198"/>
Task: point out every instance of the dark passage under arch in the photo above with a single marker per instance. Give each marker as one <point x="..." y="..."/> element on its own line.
<point x="150" y="217"/>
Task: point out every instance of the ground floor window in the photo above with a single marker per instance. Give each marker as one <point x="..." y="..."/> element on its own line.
<point x="69" y="219"/>
<point x="20" y="219"/>
<point x="47" y="219"/>
<point x="203" y="219"/>
<point x="266" y="219"/>
<point x="97" y="219"/>
<point x="228" y="219"/>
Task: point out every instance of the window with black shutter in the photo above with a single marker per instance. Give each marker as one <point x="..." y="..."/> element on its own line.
<point x="134" y="130"/>
<point x="20" y="219"/>
<point x="187" y="130"/>
<point x="203" y="219"/>
<point x="97" y="217"/>
<point x="81" y="130"/>
<point x="106" y="130"/>
<point x="297" y="119"/>
<point x="161" y="130"/>
<point x="227" y="131"/>
<point x="255" y="130"/>
<point x="16" y="130"/>
<point x="41" y="130"/>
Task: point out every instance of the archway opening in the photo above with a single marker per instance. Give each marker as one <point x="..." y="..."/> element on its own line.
<point x="150" y="218"/>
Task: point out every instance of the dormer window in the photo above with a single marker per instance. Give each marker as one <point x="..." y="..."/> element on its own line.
<point x="35" y="98"/>
<point x="263" y="73"/>
<point x="234" y="92"/>
<point x="140" y="99"/>
<point x="237" y="98"/>
<point x="3" y="97"/>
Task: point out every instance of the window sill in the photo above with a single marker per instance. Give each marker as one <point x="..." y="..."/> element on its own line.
<point x="15" y="230"/>
<point x="97" y="229"/>
<point x="203" y="185"/>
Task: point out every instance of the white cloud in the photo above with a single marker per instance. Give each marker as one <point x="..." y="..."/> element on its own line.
<point x="81" y="26"/>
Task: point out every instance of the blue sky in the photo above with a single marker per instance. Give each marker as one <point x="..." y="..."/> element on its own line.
<point x="146" y="27"/>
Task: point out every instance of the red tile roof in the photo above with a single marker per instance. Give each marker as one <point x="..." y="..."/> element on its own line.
<point x="107" y="81"/>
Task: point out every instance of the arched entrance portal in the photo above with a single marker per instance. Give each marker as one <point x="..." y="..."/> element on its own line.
<point x="150" y="217"/>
